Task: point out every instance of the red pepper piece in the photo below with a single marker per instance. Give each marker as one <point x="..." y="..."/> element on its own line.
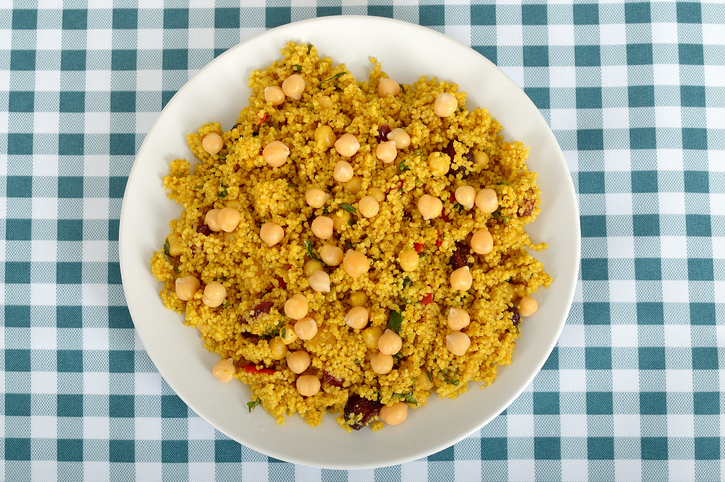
<point x="261" y="115"/>
<point x="427" y="299"/>
<point x="418" y="247"/>
<point x="282" y="283"/>
<point x="253" y="369"/>
<point x="438" y="239"/>
<point x="445" y="218"/>
<point x="399" y="186"/>
<point x="452" y="199"/>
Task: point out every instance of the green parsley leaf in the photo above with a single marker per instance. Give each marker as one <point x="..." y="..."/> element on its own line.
<point x="283" y="333"/>
<point x="352" y="221"/>
<point x="326" y="210"/>
<point x="176" y="270"/>
<point x="348" y="208"/>
<point x="407" y="282"/>
<point x="402" y="167"/>
<point x="394" y="321"/>
<point x="430" y="377"/>
<point x="497" y="213"/>
<point x="253" y="404"/>
<point x="419" y="153"/>
<point x="297" y="68"/>
<point x="309" y="47"/>
<point x="167" y="247"/>
<point x="407" y="397"/>
<point x="336" y="76"/>
<point x="311" y="251"/>
<point x="223" y="193"/>
<point x="458" y="206"/>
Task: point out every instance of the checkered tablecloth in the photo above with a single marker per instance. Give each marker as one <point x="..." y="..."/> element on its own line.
<point x="635" y="94"/>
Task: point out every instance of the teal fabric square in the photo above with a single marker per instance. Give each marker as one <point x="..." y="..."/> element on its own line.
<point x="122" y="144"/>
<point x="17" y="449"/>
<point x="70" y="145"/>
<point x="600" y="448"/>
<point x="697" y="182"/>
<point x="123" y="101"/>
<point x="643" y="138"/>
<point x="227" y="451"/>
<point x="117" y="186"/>
<point x="703" y="314"/>
<point x="114" y="274"/>
<point x="704" y="358"/>
<point x="650" y="313"/>
<point x="536" y="56"/>
<point x="586" y="14"/>
<point x="694" y="138"/>
<point x="328" y="11"/>
<point x="483" y="14"/>
<point x="588" y="98"/>
<point x="277" y="16"/>
<point x="70" y="186"/>
<point x="70" y="361"/>
<point x="69" y="272"/>
<point x="17" y="360"/>
<point x="125" y="19"/>
<point x="119" y="317"/>
<point x="73" y="60"/>
<point x="639" y="54"/>
<point x="707" y="448"/>
<point x="17" y="316"/>
<point x="597" y="313"/>
<point x="653" y="403"/>
<point x="547" y="448"/>
<point x="166" y="95"/>
<point x="72" y="101"/>
<point x="75" y="19"/>
<point x="637" y="13"/>
<point x="20" y="143"/>
<point x="587" y="56"/>
<point x="70" y="229"/>
<point x="226" y="18"/>
<point x="25" y="19"/>
<point x="698" y="225"/>
<point x="380" y="11"/>
<point x="18" y="229"/>
<point x="646" y="224"/>
<point x="69" y="317"/>
<point x="546" y="403"/>
<point x="539" y="96"/>
<point x="113" y="229"/>
<point x="706" y="403"/>
<point x="17" y="272"/>
<point x="123" y="60"/>
<point x="644" y="181"/>
<point x="700" y="269"/>
<point x="490" y="52"/>
<point x="429" y="15"/>
<point x="121" y="406"/>
<point x="122" y="450"/>
<point x="651" y="357"/>
<point x="534" y="14"/>
<point x="173" y="407"/>
<point x="21" y="101"/>
<point x="590" y="140"/>
<point x="22" y="60"/>
<point x="641" y="95"/>
<point x="446" y="455"/>
<point x="174" y="451"/>
<point x="598" y="358"/>
<point x="552" y="363"/>
<point x="599" y="403"/>
<point x="691" y="54"/>
<point x="692" y="95"/>
<point x="595" y="269"/>
<point x="176" y="18"/>
<point x="591" y="182"/>
<point x="70" y="450"/>
<point x="175" y="59"/>
<point x="121" y="361"/>
<point x="654" y="448"/>
<point x="593" y="226"/>
<point x="17" y="404"/>
<point x="648" y="269"/>
<point x="70" y="405"/>
<point x="19" y="186"/>
<point x="494" y="448"/>
<point x="689" y="12"/>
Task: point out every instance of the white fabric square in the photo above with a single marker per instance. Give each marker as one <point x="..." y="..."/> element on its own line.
<point x="96" y="471"/>
<point x="45" y="164"/>
<point x="47" y="39"/>
<point x="617" y="159"/>
<point x="95" y="339"/>
<point x="96" y="383"/>
<point x="624" y="336"/>
<point x="44" y="382"/>
<point x="622" y="291"/>
<point x="672" y="202"/>
<point x="43" y="251"/>
<point x="201" y="470"/>
<point x="469" y="470"/>
<point x="516" y="74"/>
<point x="572" y="380"/>
<point x="144" y="121"/>
<point x="571" y="157"/>
<point x="151" y="38"/>
<point x="573" y="425"/>
<point x="365" y="475"/>
<point x="666" y="74"/>
<point x="4" y="124"/>
<point x="579" y="292"/>
<point x="5" y="77"/>
<point x="561" y="35"/>
<point x="150" y="80"/>
<point x="39" y="469"/>
<point x="720" y="293"/>
<point x="46" y="122"/>
<point x="43" y="337"/>
<point x="97" y="123"/>
<point x="675" y="291"/>
<point x="669" y="160"/>
<point x="99" y="39"/>
<point x="612" y="34"/>
<point x="664" y="33"/>
<point x="715" y="117"/>
<point x="615" y="118"/>
<point x="199" y="429"/>
<point x="620" y="247"/>
<point x="150" y="471"/>
<point x="147" y="383"/>
<point x="715" y="75"/>
<point x="572" y="336"/>
<point x="302" y="472"/>
<point x="713" y="33"/>
<point x="6" y="36"/>
<point x="43" y="294"/>
<point x="628" y="470"/>
<point x="48" y="81"/>
<point x="678" y="380"/>
<point x="98" y="80"/>
<point x="720" y="335"/>
<point x="95" y="208"/>
<point x="95" y="294"/>
<point x="683" y="470"/>
<point x="668" y="116"/>
<point x="42" y="426"/>
<point x="462" y="33"/>
<point x="148" y="428"/>
<point x="625" y="380"/>
<point x="680" y="425"/>
<point x="626" y="425"/>
<point x="201" y="38"/>
<point x="716" y="161"/>
<point x="97" y="165"/>
<point x="717" y="204"/>
<point x="614" y="76"/>
<point x="674" y="247"/>
<point x="522" y="470"/>
<point x="520" y="425"/>
<point x="96" y="428"/>
<point x="45" y="208"/>
<point x="619" y="203"/>
<point x="509" y="35"/>
<point x="563" y="119"/>
<point x="574" y="470"/>
<point x="95" y="251"/>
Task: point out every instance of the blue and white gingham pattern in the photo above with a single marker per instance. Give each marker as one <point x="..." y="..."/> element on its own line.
<point x="635" y="93"/>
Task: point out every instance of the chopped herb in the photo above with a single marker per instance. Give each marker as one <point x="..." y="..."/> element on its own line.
<point x="497" y="213"/>
<point x="223" y="193"/>
<point x="509" y="280"/>
<point x="419" y="152"/>
<point x="402" y="167"/>
<point x="283" y="333"/>
<point x="310" y="106"/>
<point x="397" y="357"/>
<point x="222" y="157"/>
<point x="407" y="282"/>
<point x="348" y="208"/>
<point x="352" y="221"/>
<point x="404" y="301"/>
<point x="167" y="247"/>
<point x="348" y="245"/>
<point x="394" y="321"/>
<point x="253" y="404"/>
<point x="460" y="109"/>
<point x="325" y="210"/>
<point x="291" y="184"/>
<point x="500" y="183"/>
<point x="223" y="278"/>
<point x="225" y="304"/>
<point x="358" y="361"/>
<point x="402" y="87"/>
<point x="274" y="331"/>
<point x="407" y="397"/>
<point x="430" y="377"/>
<point x="518" y="330"/>
<point x="421" y="254"/>
<point x="419" y="182"/>
<point x="452" y="382"/>
<point x="176" y="270"/>
<point x="297" y="68"/>
<point x="311" y="251"/>
<point x="458" y="206"/>
<point x="336" y="76"/>
<point x="505" y="219"/>
<point x="309" y="47"/>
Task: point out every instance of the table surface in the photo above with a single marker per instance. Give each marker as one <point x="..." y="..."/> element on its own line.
<point x="635" y="94"/>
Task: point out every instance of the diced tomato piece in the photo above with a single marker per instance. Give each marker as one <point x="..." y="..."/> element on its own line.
<point x="445" y="217"/>
<point x="253" y="369"/>
<point x="418" y="247"/>
<point x="427" y="299"/>
<point x="452" y="198"/>
<point x="439" y="241"/>
<point x="282" y="283"/>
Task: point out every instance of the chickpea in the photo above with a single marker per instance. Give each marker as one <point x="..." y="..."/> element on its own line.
<point x="394" y="414"/>
<point x="408" y="260"/>
<point x="381" y="363"/>
<point x="482" y="242"/>
<point x="355" y="263"/>
<point x="480" y="159"/>
<point x="214" y="294"/>
<point x="212" y="143"/>
<point x="174" y="244"/>
<point x="438" y="163"/>
<point x="386" y="151"/>
<point x="271" y="233"/>
<point x="354" y="185"/>
<point x="274" y="95"/>
<point x="320" y="281"/>
<point x="322" y="227"/>
<point x="325" y="102"/>
<point x="331" y="255"/>
<point x="401" y="138"/>
<point x="298" y="361"/>
<point x="224" y="370"/>
<point x="371" y="335"/>
<point x="293" y="86"/>
<point x="487" y="200"/>
<point x="275" y="154"/>
<point x="234" y="203"/>
<point x="388" y="88"/>
<point x="308" y="385"/>
<point x="458" y="319"/>
<point x="368" y="206"/>
<point x="343" y="171"/>
<point x="357" y="318"/>
<point x="341" y="219"/>
<point x="527" y="306"/>
<point x="390" y="343"/>
<point x="347" y="145"/>
<point x="424" y="382"/>
<point x="277" y="348"/>
<point x="358" y="298"/>
<point x="377" y="194"/>
<point x="306" y="328"/>
<point x="445" y="105"/>
<point x="212" y="220"/>
<point x="296" y="307"/>
<point x="466" y="196"/>
<point x="228" y="219"/>
<point x="430" y="207"/>
<point x="186" y="287"/>
<point x="324" y="137"/>
<point x="461" y="279"/>
<point x="311" y="266"/>
<point x="287" y="334"/>
<point x="316" y="198"/>
<point x="458" y="343"/>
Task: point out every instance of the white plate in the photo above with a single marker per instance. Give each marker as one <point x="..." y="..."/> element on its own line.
<point x="217" y="93"/>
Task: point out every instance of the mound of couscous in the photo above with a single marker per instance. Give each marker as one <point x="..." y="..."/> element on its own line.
<point x="352" y="246"/>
